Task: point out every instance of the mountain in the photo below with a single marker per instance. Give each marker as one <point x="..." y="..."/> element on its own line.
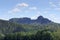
<point x="37" y="24"/>
<point x="25" y="20"/>
<point x="27" y="25"/>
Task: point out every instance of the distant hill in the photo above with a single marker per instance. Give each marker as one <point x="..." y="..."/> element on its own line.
<point x="9" y="27"/>
<point x="27" y="25"/>
<point x="39" y="23"/>
<point x="39" y="20"/>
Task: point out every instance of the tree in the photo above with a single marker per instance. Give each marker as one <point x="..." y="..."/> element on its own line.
<point x="44" y="35"/>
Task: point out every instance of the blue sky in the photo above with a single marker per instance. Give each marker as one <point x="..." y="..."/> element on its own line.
<point x="30" y="8"/>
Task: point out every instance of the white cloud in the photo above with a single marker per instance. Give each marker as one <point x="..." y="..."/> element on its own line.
<point x="45" y="12"/>
<point x="53" y="17"/>
<point x="59" y="3"/>
<point x="15" y="10"/>
<point x="33" y="8"/>
<point x="52" y="4"/>
<point x="18" y="7"/>
<point x="22" y="5"/>
<point x="30" y="9"/>
<point x="57" y="9"/>
<point x="55" y="5"/>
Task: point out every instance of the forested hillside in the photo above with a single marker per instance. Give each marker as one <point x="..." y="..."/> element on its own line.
<point x="43" y="29"/>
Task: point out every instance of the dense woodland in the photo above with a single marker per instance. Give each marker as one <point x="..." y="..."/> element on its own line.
<point x="39" y="35"/>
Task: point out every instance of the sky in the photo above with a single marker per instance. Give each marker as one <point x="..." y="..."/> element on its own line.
<point x="30" y="8"/>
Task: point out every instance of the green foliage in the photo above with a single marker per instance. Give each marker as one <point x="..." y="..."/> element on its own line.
<point x="45" y="34"/>
<point x="14" y="31"/>
<point x="40" y="35"/>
